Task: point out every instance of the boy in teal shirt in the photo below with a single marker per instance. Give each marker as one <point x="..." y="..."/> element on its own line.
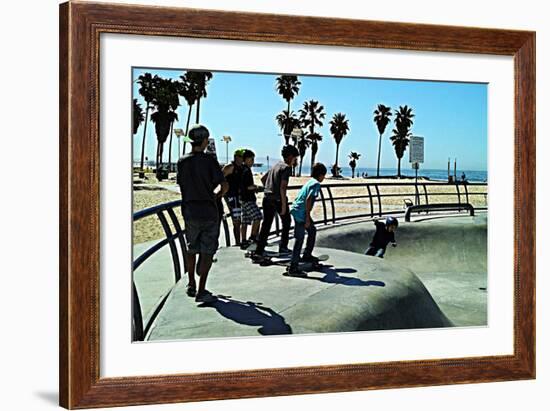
<point x="301" y="211"/>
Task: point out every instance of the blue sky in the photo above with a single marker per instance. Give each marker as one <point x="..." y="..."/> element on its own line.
<point x="452" y="117"/>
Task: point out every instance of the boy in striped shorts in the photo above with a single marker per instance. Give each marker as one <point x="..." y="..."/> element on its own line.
<point x="250" y="212"/>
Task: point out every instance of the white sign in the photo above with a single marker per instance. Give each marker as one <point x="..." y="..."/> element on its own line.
<point x="211" y="148"/>
<point x="416" y="150"/>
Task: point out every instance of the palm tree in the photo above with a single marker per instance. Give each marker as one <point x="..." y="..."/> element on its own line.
<point x="166" y="101"/>
<point x="137" y="116"/>
<point x="287" y="122"/>
<point x="401" y="133"/>
<point x="188" y="90"/>
<point x="354" y="157"/>
<point x="339" y="127"/>
<point x="381" y="117"/>
<point x="199" y="79"/>
<point x="315" y="138"/>
<point x="147" y="85"/>
<point x="288" y="87"/>
<point x="302" y="144"/>
<point x="310" y="116"/>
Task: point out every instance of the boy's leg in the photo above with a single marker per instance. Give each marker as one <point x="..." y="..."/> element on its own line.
<point x="380" y="252"/>
<point x="255" y="230"/>
<point x="285" y="223"/>
<point x="244" y="228"/>
<point x="371" y="251"/>
<point x="269" y="214"/>
<point x="299" y="234"/>
<point x="311" y="236"/>
<point x="191" y="262"/>
<point x="205" y="263"/>
<point x="237" y="230"/>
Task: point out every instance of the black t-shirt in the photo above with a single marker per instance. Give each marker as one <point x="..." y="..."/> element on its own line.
<point x="234" y="181"/>
<point x="198" y="175"/>
<point x="382" y="237"/>
<point x="279" y="172"/>
<point x="246" y="181"/>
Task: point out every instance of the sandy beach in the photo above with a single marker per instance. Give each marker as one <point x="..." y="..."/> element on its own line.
<point x="151" y="192"/>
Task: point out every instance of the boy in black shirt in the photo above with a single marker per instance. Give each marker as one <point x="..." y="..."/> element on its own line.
<point x="250" y="212"/>
<point x="385" y="234"/>
<point x="275" y="200"/>
<point x="199" y="174"/>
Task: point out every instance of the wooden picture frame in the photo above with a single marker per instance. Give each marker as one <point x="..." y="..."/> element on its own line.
<point x="80" y="27"/>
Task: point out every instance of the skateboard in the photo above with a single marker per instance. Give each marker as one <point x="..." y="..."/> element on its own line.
<point x="285" y="261"/>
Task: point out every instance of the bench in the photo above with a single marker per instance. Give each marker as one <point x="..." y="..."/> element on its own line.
<point x="438" y="207"/>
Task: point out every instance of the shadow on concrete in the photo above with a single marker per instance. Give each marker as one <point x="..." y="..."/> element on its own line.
<point x="252" y="314"/>
<point x="332" y="276"/>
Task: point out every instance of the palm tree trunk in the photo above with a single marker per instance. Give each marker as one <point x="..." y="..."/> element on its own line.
<point x="170" y="145"/>
<point x="144" y="134"/>
<point x="399" y="167"/>
<point x="379" y="149"/>
<point x="187" y="128"/>
<point x="157" y="158"/>
<point x="197" y="120"/>
<point x="353" y="172"/>
<point x="313" y="154"/>
<point x="336" y="163"/>
<point x="300" y="169"/>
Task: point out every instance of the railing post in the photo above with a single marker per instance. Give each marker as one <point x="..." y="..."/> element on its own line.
<point x="332" y="205"/>
<point x="458" y="193"/>
<point x="466" y="192"/>
<point x="370" y="202"/>
<point x="324" y="206"/>
<point x="137" y="316"/>
<point x="425" y="193"/>
<point x="173" y="249"/>
<point x="179" y="233"/>
<point x="379" y="200"/>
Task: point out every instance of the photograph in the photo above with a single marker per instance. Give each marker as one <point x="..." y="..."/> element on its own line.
<point x="271" y="204"/>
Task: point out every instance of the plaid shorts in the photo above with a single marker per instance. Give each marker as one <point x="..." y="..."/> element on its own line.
<point x="234" y="205"/>
<point x="250" y="212"/>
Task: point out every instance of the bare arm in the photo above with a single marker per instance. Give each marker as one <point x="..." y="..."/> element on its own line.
<point x="224" y="187"/>
<point x="309" y="207"/>
<point x="284" y="186"/>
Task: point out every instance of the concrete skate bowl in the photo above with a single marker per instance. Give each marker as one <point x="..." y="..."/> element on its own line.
<point x="448" y="254"/>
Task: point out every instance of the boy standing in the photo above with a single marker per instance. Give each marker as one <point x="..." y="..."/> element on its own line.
<point x="385" y="234"/>
<point x="199" y="174"/>
<point x="233" y="174"/>
<point x="251" y="213"/>
<point x="301" y="211"/>
<point x="275" y="183"/>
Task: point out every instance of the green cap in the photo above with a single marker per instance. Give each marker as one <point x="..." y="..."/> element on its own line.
<point x="239" y="152"/>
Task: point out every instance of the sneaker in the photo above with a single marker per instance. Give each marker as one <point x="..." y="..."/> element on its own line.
<point x="245" y="245"/>
<point x="258" y="258"/>
<point x="285" y="250"/>
<point x="205" y="297"/>
<point x="294" y="271"/>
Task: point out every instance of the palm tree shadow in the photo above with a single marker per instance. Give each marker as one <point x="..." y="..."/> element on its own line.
<point x="251" y="314"/>
<point x="332" y="276"/>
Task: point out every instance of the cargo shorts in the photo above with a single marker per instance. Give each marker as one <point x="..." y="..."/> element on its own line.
<point x="201" y="236"/>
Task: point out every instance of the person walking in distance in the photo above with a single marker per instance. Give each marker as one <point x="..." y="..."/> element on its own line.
<point x="275" y="201"/>
<point x="199" y="175"/>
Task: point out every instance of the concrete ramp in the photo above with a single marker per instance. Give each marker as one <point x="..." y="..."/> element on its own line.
<point x="355" y="293"/>
<point x="448" y="254"/>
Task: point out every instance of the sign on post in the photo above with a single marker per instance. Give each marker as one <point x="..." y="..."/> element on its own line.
<point x="211" y="148"/>
<point x="416" y="150"/>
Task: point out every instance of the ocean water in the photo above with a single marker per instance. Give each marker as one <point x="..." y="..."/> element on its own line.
<point x="436" y="175"/>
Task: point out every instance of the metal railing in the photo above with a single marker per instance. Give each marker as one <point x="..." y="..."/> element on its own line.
<point x="373" y="195"/>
